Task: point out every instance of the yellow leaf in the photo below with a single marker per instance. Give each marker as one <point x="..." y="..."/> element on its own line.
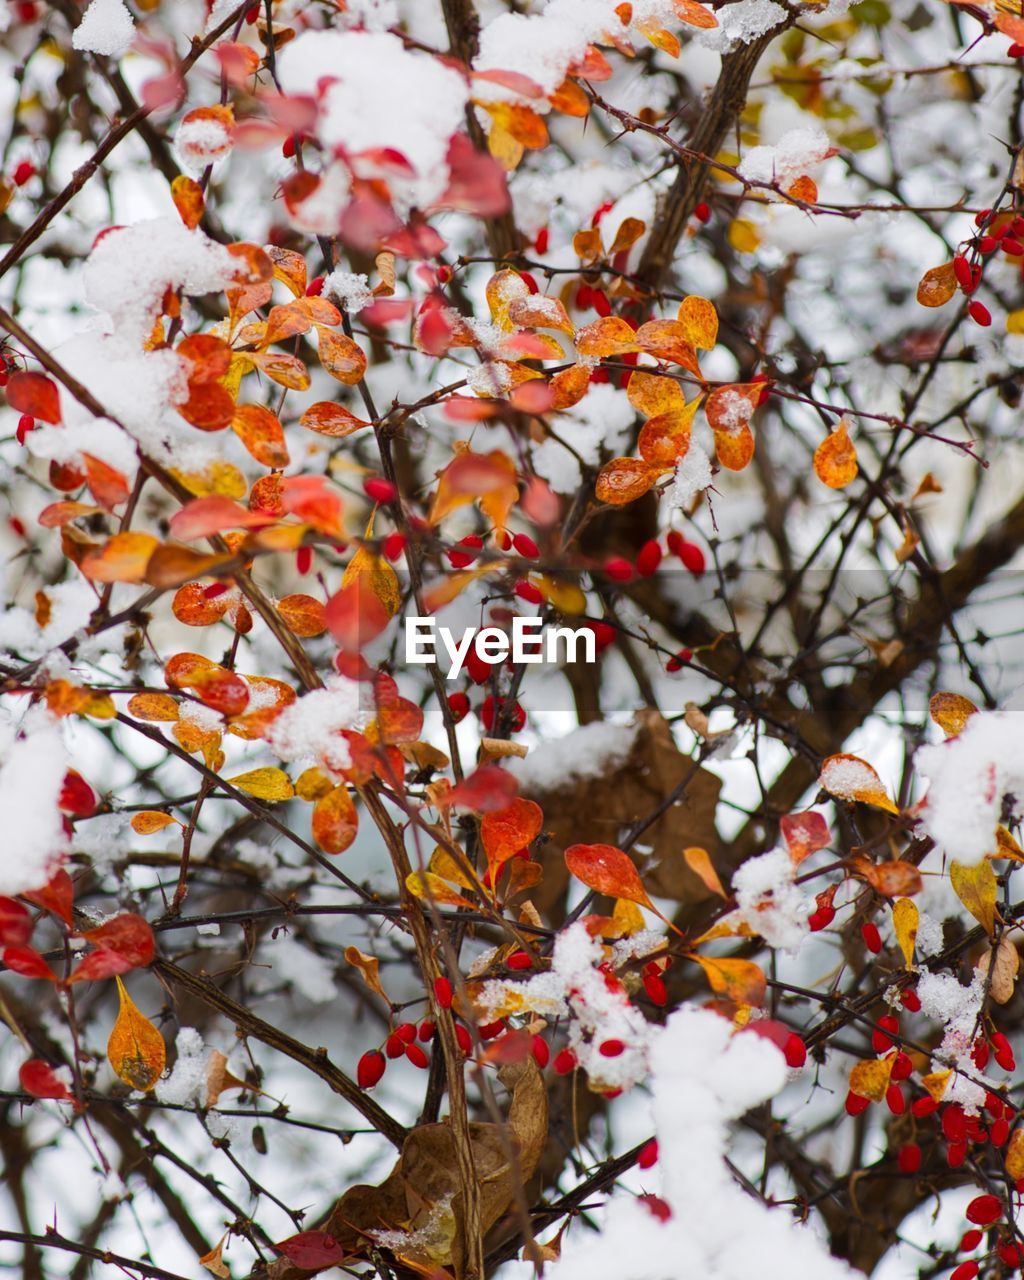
<point x="369" y="967"/>
<point x="1015" y="1155"/>
<point x="743" y="235"/>
<point x="835" y="459"/>
<point x="905" y="917"/>
<point x="267" y="783"/>
<point x="700" y="320"/>
<point x="740" y="980"/>
<point x="564" y="596"/>
<point x="1015" y="322"/>
<point x="382" y="578"/>
<point x="849" y="778"/>
<point x="312" y="784"/>
<point x="977" y="889"/>
<point x="629" y="916"/>
<point x="431" y="888"/>
<point x="699" y="862"/>
<point x="1007" y="847"/>
<point x="937" y="1083"/>
<point x="444" y="865"/>
<point x="135" y="1048"/>
<point x="951" y="711"/>
<point x="871" y="1079"/>
<point x="150" y="821"/>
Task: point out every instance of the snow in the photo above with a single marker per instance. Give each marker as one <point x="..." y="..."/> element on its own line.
<point x="741" y="23"/>
<point x="309" y="974"/>
<point x="575" y="988"/>
<point x="201" y="141"/>
<point x="969" y="775"/>
<point x="796" y="153"/>
<point x="692" y="476"/>
<point x="186" y="1085"/>
<point x="308" y="730"/>
<point x="349" y="289"/>
<point x="32" y="768"/>
<point x="958" y="1009"/>
<point x="372" y="15"/>
<point x="106" y="28"/>
<point x="100" y="437"/>
<point x="586" y="752"/>
<point x="770" y="902"/>
<point x="71" y="605"/>
<point x="374" y="93"/>
<point x="703" y="1077"/>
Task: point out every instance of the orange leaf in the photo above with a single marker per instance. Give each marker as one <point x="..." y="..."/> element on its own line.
<point x="135" y="1048"/>
<point x="149" y="821"/>
<point x="624" y="480"/>
<point x="699" y="320"/>
<point x="262" y="434"/>
<point x="804" y="189"/>
<point x="668" y="340"/>
<point x="730" y="408"/>
<point x="123" y="558"/>
<point x="153" y="706"/>
<point x="699" y="862"/>
<point x="835" y="459"/>
<point x="695" y="14"/>
<point x="607" y="870"/>
<point x="666" y="439"/>
<point x="804" y="834"/>
<point x="335" y="821"/>
<point x="194" y="608"/>
<point x="570" y="99"/>
<point x="951" y="711"/>
<point x="303" y="615"/>
<point x="849" y="778"/>
<point x="523" y="124"/>
<point x="741" y="981"/>
<point x="287" y="371"/>
<point x="188" y="199"/>
<point x="170" y="565"/>
<point x="654" y="394"/>
<point x="587" y="245"/>
<point x="871" y="1079"/>
<point x="609" y="336"/>
<point x="472" y="475"/>
<point x="34" y="394"/>
<point x="331" y="420"/>
<point x="569" y="386"/>
<point x="205" y="516"/>
<point x="109" y="486"/>
<point x="890" y="879"/>
<point x="289" y="268"/>
<point x="937" y="286"/>
<point x="503" y="832"/>
<point x="734" y="448"/>
<point x="341" y="357"/>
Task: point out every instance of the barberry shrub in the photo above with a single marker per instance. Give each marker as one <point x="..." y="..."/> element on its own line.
<point x="688" y="335"/>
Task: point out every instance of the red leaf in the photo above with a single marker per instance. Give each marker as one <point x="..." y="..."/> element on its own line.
<point x="804" y="833"/>
<point x="311" y="1250"/>
<point x="57" y="896"/>
<point x="485" y="790"/>
<point x="40" y="1080"/>
<point x="355" y="615"/>
<point x="100" y="964"/>
<point x="35" y="394"/>
<point x="476" y="181"/>
<point x="15" y="923"/>
<point x="128" y="935"/>
<point x="28" y="963"/>
<point x="607" y="870"/>
<point x="213" y="514"/>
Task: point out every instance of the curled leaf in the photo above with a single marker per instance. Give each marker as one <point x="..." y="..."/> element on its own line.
<point x="849" y="778"/>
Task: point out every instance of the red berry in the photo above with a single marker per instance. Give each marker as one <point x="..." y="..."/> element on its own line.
<point x="984" y="1210"/>
<point x="910" y="1000"/>
<point x="463" y="1038"/>
<point x="610" y="1048"/>
<point x="970" y="1240"/>
<point x="519" y="960"/>
<point x="460" y="559"/>
<point x="565" y="1061"/>
<point x="288" y="146"/>
<point x="962" y="271"/>
<point x="26" y="423"/>
<point x="529" y="281"/>
<point x="315" y="287"/>
<point x="303" y="560"/>
<point x="528" y="592"/>
<point x="417" y="1056"/>
<point x="541" y="1052"/>
<point x="526" y="546"/>
<point x="394" y="1046"/>
<point x="252" y="13"/>
<point x="979" y="1054"/>
<point x="370" y="1069"/>
<point x="1011" y="1253"/>
<point x="1002" y="1051"/>
<point x="601" y="304"/>
<point x="379" y="489"/>
<point x="654" y="985"/>
<point x="393" y="546"/>
<point x="872" y="938"/>
<point x="648" y="558"/>
<point x="679" y="660"/>
<point x="491" y="1029"/>
<point x="902" y="1067"/>
<point x="1000" y="1132"/>
<point x="1015" y="51"/>
<point x="458" y="705"/>
<point x="954" y="1123"/>
<point x="856" y="1105"/>
<point x="692" y="558"/>
<point x="881" y="1039"/>
<point x="908" y="1158"/>
<point x="584" y="297"/>
<point x="924" y="1107"/>
<point x="988" y="244"/>
<point x="795" y="1051"/>
<point x="618" y="569"/>
<point x="478" y="668"/>
<point x="541" y="242"/>
<point x="821" y="919"/>
<point x="982" y="216"/>
<point x="648" y="1156"/>
<point x="702" y="212"/>
<point x="956" y="1154"/>
<point x="895" y="1100"/>
<point x="406" y="1032"/>
<point x="426" y="1030"/>
<point x="489" y="713"/>
<point x="24" y="172"/>
<point x="1013" y="247"/>
<point x="660" y="1208"/>
<point x="979" y="313"/>
<point x="443" y="992"/>
<point x="965" y="1271"/>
